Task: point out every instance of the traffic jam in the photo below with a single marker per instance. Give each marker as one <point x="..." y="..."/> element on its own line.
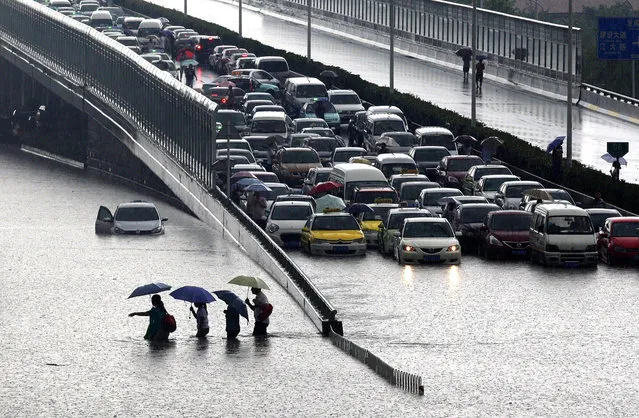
<point x="322" y="171"/>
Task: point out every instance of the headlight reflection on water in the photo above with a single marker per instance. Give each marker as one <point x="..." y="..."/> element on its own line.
<point x="408" y="275"/>
<point x="453" y="277"/>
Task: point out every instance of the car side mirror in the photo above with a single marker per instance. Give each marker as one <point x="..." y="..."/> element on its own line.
<point x="397" y="234"/>
<point x="165" y="219"/>
<point x="540" y="229"/>
<point x="107" y="219"/>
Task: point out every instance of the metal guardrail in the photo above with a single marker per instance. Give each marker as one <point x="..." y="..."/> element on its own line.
<point x="608" y="102"/>
<point x="409" y="382"/>
<point x="525" y="45"/>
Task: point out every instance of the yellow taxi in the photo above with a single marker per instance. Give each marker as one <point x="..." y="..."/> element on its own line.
<point x="333" y="233"/>
<point x="371" y="221"/>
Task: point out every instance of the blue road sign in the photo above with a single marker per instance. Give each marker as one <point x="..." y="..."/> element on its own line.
<point x="618" y="38"/>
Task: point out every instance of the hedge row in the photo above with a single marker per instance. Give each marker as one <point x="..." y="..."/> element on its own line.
<point x="514" y="151"/>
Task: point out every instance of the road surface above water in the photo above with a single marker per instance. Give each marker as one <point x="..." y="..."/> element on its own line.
<point x="531" y="117"/>
<point x="69" y="348"/>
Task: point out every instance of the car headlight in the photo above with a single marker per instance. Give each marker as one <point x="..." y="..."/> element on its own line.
<point x="156" y="229"/>
<point x="453" y="248"/>
<point x="494" y="241"/>
<point x="408" y="248"/>
<point x="272" y="228"/>
<point x="360" y="240"/>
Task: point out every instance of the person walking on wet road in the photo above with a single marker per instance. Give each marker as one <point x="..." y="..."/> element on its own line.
<point x="232" y="322"/>
<point x="189" y="74"/>
<point x="155" y="331"/>
<point x="466" y="67"/>
<point x="257" y="209"/>
<point x="479" y="73"/>
<point x="261" y="310"/>
<point x="202" y="319"/>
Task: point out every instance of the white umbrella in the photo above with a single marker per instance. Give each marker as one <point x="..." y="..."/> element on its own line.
<point x="610" y="159"/>
<point x="329" y="202"/>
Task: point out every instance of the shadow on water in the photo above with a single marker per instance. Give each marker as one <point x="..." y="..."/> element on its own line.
<point x="262" y="345"/>
<point x="158" y="348"/>
<point x="233" y="346"/>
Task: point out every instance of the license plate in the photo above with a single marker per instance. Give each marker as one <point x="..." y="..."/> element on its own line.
<point x="519" y="252"/>
<point x="431" y="258"/>
<point x="340" y="249"/>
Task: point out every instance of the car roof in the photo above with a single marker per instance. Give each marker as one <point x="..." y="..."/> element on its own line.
<point x="303" y="80"/>
<point x="291" y="203"/>
<point x="521" y="183"/>
<point x="384" y="116"/>
<point x="419" y="183"/>
<point x="441" y="189"/>
<point x="395" y="211"/>
<point x="498" y="176"/>
<point x="511" y="212"/>
<point x="384" y="109"/>
<point x="560" y="208"/>
<point x="350" y="149"/>
<point x="270" y="115"/>
<point x="374" y="189"/>
<point x="488" y="166"/>
<point x="395" y="156"/>
<point x="136" y="204"/>
<point x="602" y="211"/>
<point x="478" y="205"/>
<point x="432" y="130"/>
<point x="426" y="219"/>
<point x="326" y="214"/>
<point x="624" y="219"/>
<point x="272" y="184"/>
<point x="309" y="120"/>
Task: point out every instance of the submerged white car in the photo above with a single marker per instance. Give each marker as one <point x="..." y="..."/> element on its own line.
<point x="135" y="218"/>
<point x="427" y="240"/>
<point x="286" y="220"/>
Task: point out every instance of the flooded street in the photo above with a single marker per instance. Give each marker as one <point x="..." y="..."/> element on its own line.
<point x="69" y="348"/>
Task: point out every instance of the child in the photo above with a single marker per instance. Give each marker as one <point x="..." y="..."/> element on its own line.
<point x="202" y="319"/>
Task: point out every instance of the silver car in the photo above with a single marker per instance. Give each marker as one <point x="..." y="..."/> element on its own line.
<point x="135" y="218"/>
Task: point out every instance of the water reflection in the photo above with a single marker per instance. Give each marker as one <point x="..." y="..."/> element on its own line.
<point x="408" y="276"/>
<point x="453" y="277"/>
<point x="233" y="346"/>
<point x="262" y="345"/>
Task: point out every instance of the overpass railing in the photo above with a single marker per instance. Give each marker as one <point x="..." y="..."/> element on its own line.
<point x="609" y="102"/>
<point x="150" y="100"/>
<point x="518" y="43"/>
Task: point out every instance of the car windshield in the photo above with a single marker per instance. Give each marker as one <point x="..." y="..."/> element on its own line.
<point x="276" y="191"/>
<point x="511" y="222"/>
<point x="397" y="168"/>
<point x="322" y="176"/>
<point x="430" y="199"/>
<point x="382" y="126"/>
<point x="170" y="65"/>
<point x="231" y="117"/>
<point x="335" y="223"/>
<point x="397" y="182"/>
<point x="323" y="144"/>
<point x="350" y="98"/>
<point x="291" y="213"/>
<point x="439" y="140"/>
<point x="136" y="214"/>
<point x="379" y="213"/>
<point x="492" y="185"/>
<point x="561" y="195"/>
<point x="430" y="155"/>
<point x="427" y="230"/>
<point x="344" y="156"/>
<point x="558" y="225"/>
<point x="128" y="41"/>
<point x="376" y="196"/>
<point x="309" y="90"/>
<point x="326" y="106"/>
<point x="625" y="229"/>
<point x="258" y="144"/>
<point x="598" y="219"/>
<point x="300" y="157"/>
<point x="319" y="131"/>
<point x="131" y="24"/>
<point x="274" y="66"/>
<point x="475" y="215"/>
<point x="266" y="177"/>
<point x="479" y="173"/>
<point x="268" y="126"/>
<point x="396" y="221"/>
<point x="518" y="191"/>
<point x="404" y="140"/>
<point x="350" y="186"/>
<point x="302" y="124"/>
<point x="149" y="31"/>
<point x="89" y="7"/>
<point x="463" y="164"/>
<point x="412" y="191"/>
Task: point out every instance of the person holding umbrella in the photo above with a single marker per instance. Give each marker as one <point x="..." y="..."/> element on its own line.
<point x="261" y="310"/>
<point x="479" y="72"/>
<point x="155" y="331"/>
<point x="235" y="308"/>
<point x="202" y="319"/>
<point x="616" y="167"/>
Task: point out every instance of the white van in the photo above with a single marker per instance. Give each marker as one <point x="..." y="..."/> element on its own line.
<point x="148" y="27"/>
<point x="391" y="164"/>
<point x="271" y="123"/>
<point x="562" y="234"/>
<point x="101" y="19"/>
<point x="276" y="66"/>
<point x="436" y="136"/>
<point x="352" y="175"/>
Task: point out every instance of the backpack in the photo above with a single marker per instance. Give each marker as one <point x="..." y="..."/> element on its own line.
<point x="266" y="312"/>
<point x="169" y="323"/>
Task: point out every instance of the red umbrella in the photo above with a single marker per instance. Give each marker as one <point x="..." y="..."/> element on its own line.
<point x="325" y="187"/>
<point x="185" y="54"/>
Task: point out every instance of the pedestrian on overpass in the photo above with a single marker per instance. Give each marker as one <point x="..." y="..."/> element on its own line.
<point x="189" y="74"/>
<point x="616" y="167"/>
<point x="479" y="73"/>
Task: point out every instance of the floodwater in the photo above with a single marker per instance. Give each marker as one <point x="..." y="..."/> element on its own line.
<point x="531" y="117"/>
<point x="68" y="347"/>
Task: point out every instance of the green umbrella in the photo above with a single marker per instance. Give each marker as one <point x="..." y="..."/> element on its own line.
<point x="249" y="281"/>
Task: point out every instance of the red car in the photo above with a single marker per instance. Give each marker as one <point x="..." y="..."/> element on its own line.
<point x="618" y="240"/>
<point x="504" y="233"/>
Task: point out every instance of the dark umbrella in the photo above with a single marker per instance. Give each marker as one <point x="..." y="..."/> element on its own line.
<point x="555" y="143"/>
<point x="328" y="74"/>
<point x="359" y="208"/>
<point x="465" y="140"/>
<point x="149" y="289"/>
<point x="325" y="187"/>
<point x="232" y="300"/>
<point x="193" y="294"/>
<point x="245" y="182"/>
<point x="481" y="57"/>
<point x="242" y="175"/>
<point x="464" y="52"/>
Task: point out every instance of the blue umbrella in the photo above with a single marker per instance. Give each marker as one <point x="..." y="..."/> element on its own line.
<point x="149" y="289"/>
<point x="193" y="294"/>
<point x="247" y="181"/>
<point x="359" y="208"/>
<point x="555" y="143"/>
<point x="233" y="300"/>
<point x="257" y="187"/>
<point x="187" y="62"/>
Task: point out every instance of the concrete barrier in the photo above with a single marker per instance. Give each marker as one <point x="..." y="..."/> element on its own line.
<point x="609" y="103"/>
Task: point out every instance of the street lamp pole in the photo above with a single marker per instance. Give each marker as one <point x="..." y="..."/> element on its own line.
<point x="185" y="6"/>
<point x="569" y="101"/>
<point x="239" y="25"/>
<point x="308" y="30"/>
<point x="391" y="17"/>
<point x="473" y="94"/>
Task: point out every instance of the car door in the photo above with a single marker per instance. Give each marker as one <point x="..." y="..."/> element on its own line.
<point x="104" y="221"/>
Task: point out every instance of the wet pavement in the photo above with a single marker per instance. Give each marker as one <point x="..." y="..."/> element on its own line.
<point x="533" y="118"/>
<point x="69" y="348"/>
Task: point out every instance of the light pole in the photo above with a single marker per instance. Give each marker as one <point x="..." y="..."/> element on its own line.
<point x="185" y="6"/>
<point x="569" y="104"/>
<point x="239" y="25"/>
<point x="391" y="17"/>
<point x="473" y="94"/>
<point x="308" y="30"/>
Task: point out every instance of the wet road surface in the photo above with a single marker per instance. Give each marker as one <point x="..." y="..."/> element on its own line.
<point x="533" y="118"/>
<point x="69" y="348"/>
